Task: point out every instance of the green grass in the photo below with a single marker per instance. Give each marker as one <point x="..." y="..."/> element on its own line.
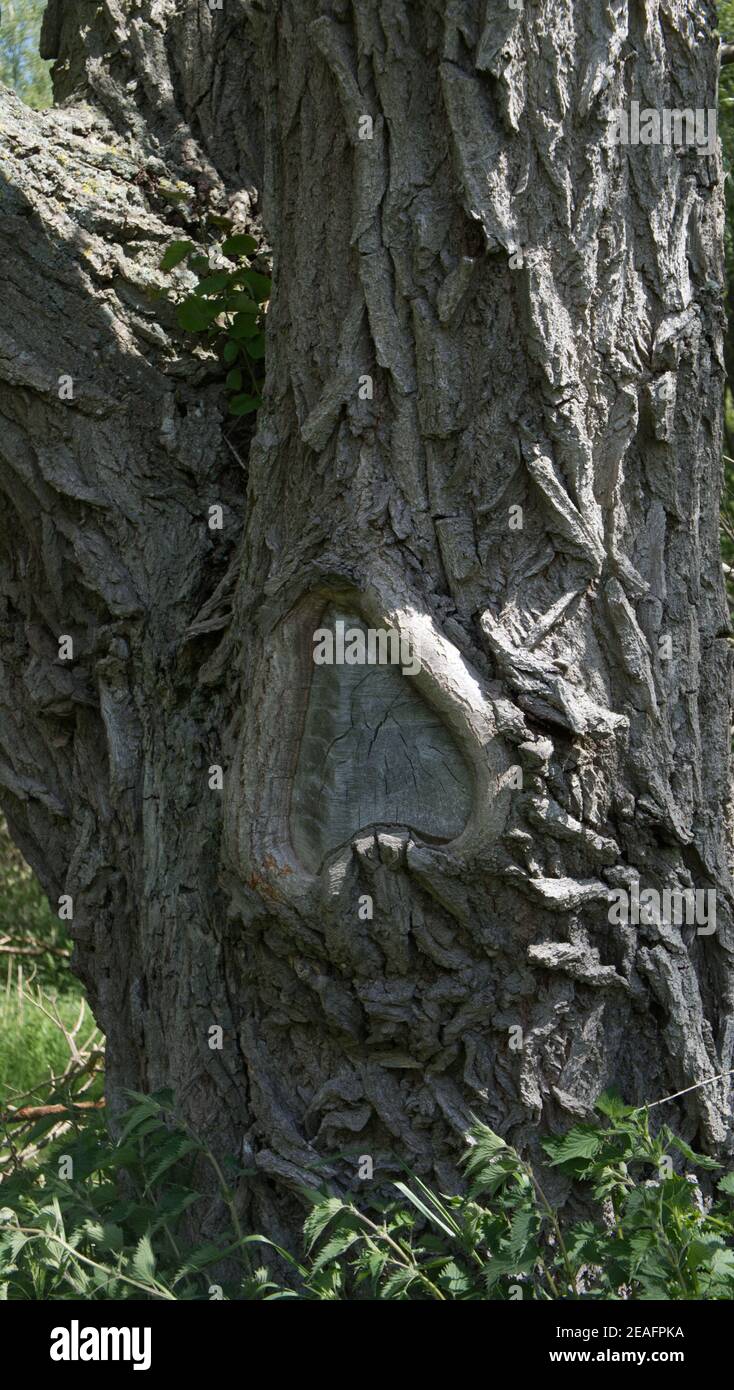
<point x="27" y="922"/>
<point x="33" y="1047"/>
<point x="49" y="1045"/>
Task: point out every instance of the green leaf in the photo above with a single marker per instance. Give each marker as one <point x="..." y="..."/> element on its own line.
<point x="260" y="285"/>
<point x="255" y="348"/>
<point x="583" y="1242"/>
<point x="243" y="326"/>
<point x="325" y="1208"/>
<point x="243" y="302"/>
<point x="485" y="1149"/>
<point x="610" y="1103"/>
<point x="374" y="1262"/>
<point x="700" y="1160"/>
<point x="16" y="1241"/>
<point x="195" y="314"/>
<point x="244" y="405"/>
<point x="491" y="1164"/>
<point x="200" y="264"/>
<point x="581" y="1142"/>
<point x="231" y="352"/>
<point x="107" y="1236"/>
<point x="496" y="1268"/>
<point x="144" y="1259"/>
<point x="239" y="245"/>
<point x="214" y="284"/>
<point x="454" y="1279"/>
<point x="335" y="1246"/>
<point x="523" y="1229"/>
<point x="399" y="1282"/>
<point x="174" y="1149"/>
<point x="727" y="1185"/>
<point x="234" y="380"/>
<point x="157" y="1100"/>
<point x="175" y="254"/>
<point x="146" y="1109"/>
<point x="199" y="1258"/>
<point x="722" y="1264"/>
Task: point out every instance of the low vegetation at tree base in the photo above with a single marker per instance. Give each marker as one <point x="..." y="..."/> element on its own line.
<point x="70" y="1228"/>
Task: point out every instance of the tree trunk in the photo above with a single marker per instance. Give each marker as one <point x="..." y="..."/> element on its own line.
<point x="492" y="425"/>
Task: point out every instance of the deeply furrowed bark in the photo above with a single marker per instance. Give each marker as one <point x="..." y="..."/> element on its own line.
<point x="538" y="312"/>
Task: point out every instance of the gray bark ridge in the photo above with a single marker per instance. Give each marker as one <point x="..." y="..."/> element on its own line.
<point x="114" y="448"/>
<point x="540" y="313"/>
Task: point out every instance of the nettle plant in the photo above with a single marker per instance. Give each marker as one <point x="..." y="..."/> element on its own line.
<point x="227" y="307"/>
<point x="655" y="1236"/>
<point x="99" y="1218"/>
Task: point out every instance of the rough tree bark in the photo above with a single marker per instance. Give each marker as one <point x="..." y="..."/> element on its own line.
<point x="538" y="311"/>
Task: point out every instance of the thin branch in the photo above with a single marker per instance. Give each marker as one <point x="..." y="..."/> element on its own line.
<point x="37" y="1112"/>
<point x="232" y="450"/>
<point x="8" y="949"/>
<point x="688" y="1090"/>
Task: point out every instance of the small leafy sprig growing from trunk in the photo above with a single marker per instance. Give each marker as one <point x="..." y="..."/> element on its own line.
<point x="228" y="308"/>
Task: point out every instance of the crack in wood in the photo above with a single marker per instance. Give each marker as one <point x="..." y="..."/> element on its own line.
<point x="372" y="753"/>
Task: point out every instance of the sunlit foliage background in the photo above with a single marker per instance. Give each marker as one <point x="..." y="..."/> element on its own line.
<point x="21" y="67"/>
